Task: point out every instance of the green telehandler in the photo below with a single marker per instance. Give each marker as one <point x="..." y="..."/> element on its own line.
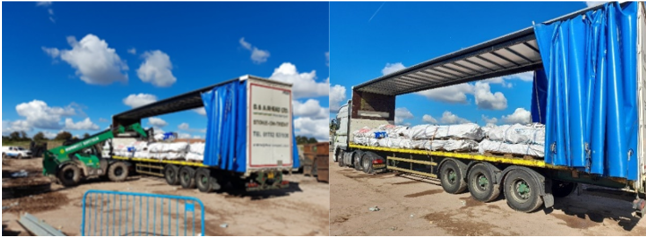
<point x="72" y="162"/>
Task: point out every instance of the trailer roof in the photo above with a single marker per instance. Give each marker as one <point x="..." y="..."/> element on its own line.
<point x="509" y="54"/>
<point x="186" y="101"/>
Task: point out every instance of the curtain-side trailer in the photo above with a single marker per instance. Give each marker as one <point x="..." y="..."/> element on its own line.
<point x="589" y="76"/>
<point x="249" y="137"/>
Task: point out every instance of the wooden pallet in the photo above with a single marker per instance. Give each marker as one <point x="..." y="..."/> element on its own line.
<point x="511" y="155"/>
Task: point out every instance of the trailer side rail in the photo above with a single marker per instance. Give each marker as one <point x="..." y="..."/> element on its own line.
<point x="178" y="162"/>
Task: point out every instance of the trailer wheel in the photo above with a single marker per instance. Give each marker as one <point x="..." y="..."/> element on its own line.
<point x="118" y="172"/>
<point x="170" y="173"/>
<point x="69" y="175"/>
<point x="186" y="177"/>
<point x="451" y="178"/>
<point x="203" y="180"/>
<point x="562" y="189"/>
<point x="481" y="183"/>
<point x="356" y="160"/>
<point x="339" y="158"/>
<point x="521" y="191"/>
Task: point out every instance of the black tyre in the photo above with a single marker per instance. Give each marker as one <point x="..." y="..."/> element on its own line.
<point x="118" y="172"/>
<point x="4" y="156"/>
<point x="69" y="175"/>
<point x="187" y="177"/>
<point x="521" y="191"/>
<point x="562" y="189"/>
<point x="170" y="173"/>
<point x="19" y="156"/>
<point x="481" y="184"/>
<point x="451" y="178"/>
<point x="366" y="163"/>
<point x="339" y="158"/>
<point x="203" y="180"/>
<point x="356" y="160"/>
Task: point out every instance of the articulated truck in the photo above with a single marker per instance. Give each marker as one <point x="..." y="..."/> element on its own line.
<point x="249" y="141"/>
<point x="589" y="77"/>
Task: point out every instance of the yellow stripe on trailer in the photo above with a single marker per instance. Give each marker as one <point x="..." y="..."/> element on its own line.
<point x="488" y="158"/>
<point x="185" y="163"/>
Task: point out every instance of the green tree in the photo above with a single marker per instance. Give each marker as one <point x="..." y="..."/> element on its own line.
<point x="312" y="140"/>
<point x="40" y="136"/>
<point x="63" y="135"/>
<point x="14" y="136"/>
<point x="24" y="136"/>
<point x="86" y="135"/>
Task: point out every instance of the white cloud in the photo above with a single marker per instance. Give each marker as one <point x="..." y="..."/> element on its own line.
<point x="200" y="111"/>
<point x="47" y="5"/>
<point x="520" y="115"/>
<point x="138" y="100"/>
<point x="43" y="4"/>
<point x="337" y="97"/>
<point x="132" y="51"/>
<point x="317" y="128"/>
<point x="156" y="69"/>
<point x="183" y="126"/>
<point x="11" y="126"/>
<point x="157" y="122"/>
<point x="594" y="3"/>
<point x="450" y="118"/>
<point x="38" y="114"/>
<point x="86" y="124"/>
<point x="103" y="120"/>
<point x="489" y="121"/>
<point x="402" y="114"/>
<point x="304" y="84"/>
<point x="258" y="56"/>
<point x="49" y="134"/>
<point x="487" y="100"/>
<point x="94" y="61"/>
<point x="197" y="137"/>
<point x="327" y="58"/>
<point x="429" y="119"/>
<point x="451" y="94"/>
<point x="311" y="108"/>
<point x="391" y="68"/>
<point x="53" y="52"/>
<point x="184" y="135"/>
<point x="525" y="77"/>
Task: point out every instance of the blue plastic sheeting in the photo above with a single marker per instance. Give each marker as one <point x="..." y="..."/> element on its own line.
<point x="226" y="128"/>
<point x="591" y="111"/>
<point x="539" y="96"/>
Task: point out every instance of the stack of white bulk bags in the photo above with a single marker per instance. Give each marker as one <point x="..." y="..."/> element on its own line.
<point x="195" y="152"/>
<point x="515" y="139"/>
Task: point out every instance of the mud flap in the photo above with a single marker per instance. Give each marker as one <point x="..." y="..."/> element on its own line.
<point x="548" y="200"/>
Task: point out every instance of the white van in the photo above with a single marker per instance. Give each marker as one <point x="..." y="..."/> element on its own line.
<point x="15" y="151"/>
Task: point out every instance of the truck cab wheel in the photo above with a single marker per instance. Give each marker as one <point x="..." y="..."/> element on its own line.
<point x="561" y="189"/>
<point x="170" y="173"/>
<point x="366" y="164"/>
<point x="203" y="180"/>
<point x="339" y="158"/>
<point x="118" y="172"/>
<point x="521" y="191"/>
<point x="187" y="177"/>
<point x="481" y="184"/>
<point x="69" y="175"/>
<point x="19" y="156"/>
<point x="451" y="178"/>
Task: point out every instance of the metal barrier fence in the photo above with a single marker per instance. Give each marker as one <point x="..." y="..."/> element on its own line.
<point x="111" y="213"/>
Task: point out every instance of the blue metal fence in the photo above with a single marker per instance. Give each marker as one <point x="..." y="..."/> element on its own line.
<point x="112" y="213"/>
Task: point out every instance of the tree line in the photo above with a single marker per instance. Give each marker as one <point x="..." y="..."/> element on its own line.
<point x="305" y="140"/>
<point x="40" y="136"/>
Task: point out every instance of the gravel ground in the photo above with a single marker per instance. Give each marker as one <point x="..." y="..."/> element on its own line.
<point x="303" y="209"/>
<point x="415" y="206"/>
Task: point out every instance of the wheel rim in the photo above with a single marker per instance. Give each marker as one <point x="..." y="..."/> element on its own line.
<point x="365" y="163"/>
<point x="204" y="179"/>
<point x="522" y="190"/>
<point x="118" y="171"/>
<point x="482" y="182"/>
<point x="69" y="174"/>
<point x="186" y="177"/>
<point x="170" y="173"/>
<point x="451" y="176"/>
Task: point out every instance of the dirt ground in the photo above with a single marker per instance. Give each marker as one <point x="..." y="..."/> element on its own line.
<point x="411" y="205"/>
<point x="303" y="209"/>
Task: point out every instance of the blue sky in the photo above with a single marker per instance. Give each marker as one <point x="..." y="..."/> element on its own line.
<point x="71" y="66"/>
<point x="368" y="40"/>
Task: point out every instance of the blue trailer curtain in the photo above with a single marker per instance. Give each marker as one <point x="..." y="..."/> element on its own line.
<point x="226" y="128"/>
<point x="226" y="135"/>
<point x="539" y="96"/>
<point x="591" y="107"/>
